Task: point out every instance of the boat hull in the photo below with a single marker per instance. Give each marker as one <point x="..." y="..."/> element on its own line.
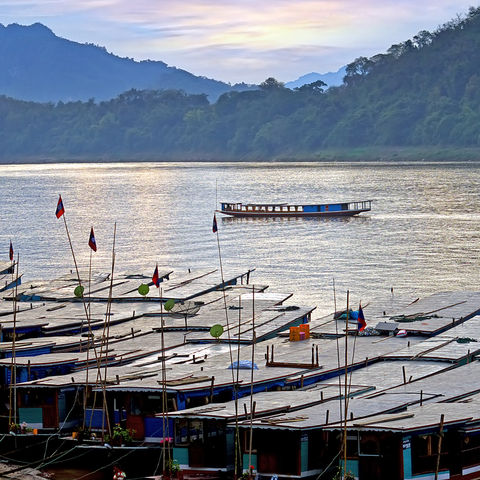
<point x="347" y="213"/>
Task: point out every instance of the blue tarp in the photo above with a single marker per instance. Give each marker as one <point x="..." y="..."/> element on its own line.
<point x="243" y="364"/>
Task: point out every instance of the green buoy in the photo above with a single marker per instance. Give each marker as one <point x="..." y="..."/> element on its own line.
<point x="216" y="331"/>
<point x="78" y="291"/>
<point x="169" y="304"/>
<point x="143" y="289"/>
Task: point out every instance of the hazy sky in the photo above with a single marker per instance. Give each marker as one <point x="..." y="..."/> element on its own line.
<point x="238" y="40"/>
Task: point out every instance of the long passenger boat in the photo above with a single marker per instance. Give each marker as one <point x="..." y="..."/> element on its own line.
<point x="289" y="210"/>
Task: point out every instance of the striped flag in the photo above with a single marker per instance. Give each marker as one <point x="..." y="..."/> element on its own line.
<point x="11" y="251"/>
<point x="155" y="278"/>
<point x="214" y="226"/>
<point x="361" y="319"/>
<point x="60" y="210"/>
<point x="92" y="243"/>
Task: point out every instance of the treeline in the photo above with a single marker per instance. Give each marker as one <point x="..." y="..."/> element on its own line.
<point x="423" y="92"/>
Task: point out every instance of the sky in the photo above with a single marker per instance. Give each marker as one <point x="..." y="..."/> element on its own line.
<point x="238" y="40"/>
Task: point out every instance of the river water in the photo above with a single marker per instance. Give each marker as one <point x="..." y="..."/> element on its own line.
<point x="421" y="237"/>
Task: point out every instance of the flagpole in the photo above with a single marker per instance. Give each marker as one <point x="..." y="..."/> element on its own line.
<point x="164" y="377"/>
<point x="338" y="348"/>
<point x="88" y="345"/>
<point x="107" y="320"/>
<point x="61" y="213"/>
<point x="345" y="399"/>
<point x="251" y="384"/>
<point x="13" y="371"/>
<point x="215" y="230"/>
<point x="353" y="350"/>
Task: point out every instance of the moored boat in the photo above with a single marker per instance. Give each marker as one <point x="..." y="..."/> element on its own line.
<point x="295" y="210"/>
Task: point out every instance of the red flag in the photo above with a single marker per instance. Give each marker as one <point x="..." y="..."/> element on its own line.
<point x="361" y="319"/>
<point x="11" y="251"/>
<point x="155" y="278"/>
<point x="91" y="242"/>
<point x="214" y="226"/>
<point x="60" y="210"/>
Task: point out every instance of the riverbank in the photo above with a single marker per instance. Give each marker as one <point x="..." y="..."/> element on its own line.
<point x="360" y="154"/>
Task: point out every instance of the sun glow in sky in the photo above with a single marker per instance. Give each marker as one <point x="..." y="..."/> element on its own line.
<point x="241" y="40"/>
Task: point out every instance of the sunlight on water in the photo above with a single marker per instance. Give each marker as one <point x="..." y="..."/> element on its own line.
<point x="421" y="236"/>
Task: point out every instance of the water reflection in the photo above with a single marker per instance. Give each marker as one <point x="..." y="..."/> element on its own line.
<point x="421" y="237"/>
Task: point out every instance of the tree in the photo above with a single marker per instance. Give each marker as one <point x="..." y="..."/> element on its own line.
<point x="271" y="84"/>
<point x="314" y="87"/>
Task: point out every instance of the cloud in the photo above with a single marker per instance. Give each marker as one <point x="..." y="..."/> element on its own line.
<point x="238" y="39"/>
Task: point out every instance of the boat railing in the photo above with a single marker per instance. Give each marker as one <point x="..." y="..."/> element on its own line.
<point x="365" y="205"/>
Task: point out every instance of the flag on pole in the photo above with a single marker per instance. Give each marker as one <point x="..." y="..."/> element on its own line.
<point x="92" y="242"/>
<point x="60" y="210"/>
<point x="11" y="251"/>
<point x="361" y="319"/>
<point x="214" y="226"/>
<point x="155" y="278"/>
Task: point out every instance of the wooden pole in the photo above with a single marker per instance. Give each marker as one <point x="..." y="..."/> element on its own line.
<point x="439" y="450"/>
<point x="235" y="385"/>
<point x="251" y="385"/>
<point x="12" y="413"/>
<point x="346" y="392"/>
<point x="338" y="349"/>
<point x="106" y="335"/>
<point x="164" y="383"/>
<point x="85" y="391"/>
<point x="98" y="360"/>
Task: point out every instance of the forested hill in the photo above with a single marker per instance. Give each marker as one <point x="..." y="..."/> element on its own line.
<point x="423" y="92"/>
<point x="37" y="65"/>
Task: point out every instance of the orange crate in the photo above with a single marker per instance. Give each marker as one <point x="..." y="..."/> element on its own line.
<point x="294" y="334"/>
<point x="306" y="329"/>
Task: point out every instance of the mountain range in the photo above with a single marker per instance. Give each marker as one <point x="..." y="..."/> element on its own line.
<point x="421" y="93"/>
<point x="37" y="65"/>
<point x="332" y="79"/>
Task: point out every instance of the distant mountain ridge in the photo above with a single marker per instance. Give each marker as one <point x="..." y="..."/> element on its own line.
<point x="37" y="65"/>
<point x="332" y="79"/>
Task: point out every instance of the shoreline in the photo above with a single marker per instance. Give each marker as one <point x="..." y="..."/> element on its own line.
<point x="360" y="154"/>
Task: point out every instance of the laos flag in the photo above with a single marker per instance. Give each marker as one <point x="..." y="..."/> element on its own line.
<point x="92" y="243"/>
<point x="155" y="278"/>
<point x="60" y="210"/>
<point x="361" y="319"/>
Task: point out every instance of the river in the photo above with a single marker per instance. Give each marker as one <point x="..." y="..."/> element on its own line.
<point x="421" y="236"/>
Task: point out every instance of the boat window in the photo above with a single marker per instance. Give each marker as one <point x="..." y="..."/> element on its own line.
<point x="270" y="209"/>
<point x="300" y="209"/>
<point x="285" y="209"/>
<point x="292" y="209"/>
<point x="181" y="431"/>
<point x="277" y="209"/>
<point x="196" y="430"/>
